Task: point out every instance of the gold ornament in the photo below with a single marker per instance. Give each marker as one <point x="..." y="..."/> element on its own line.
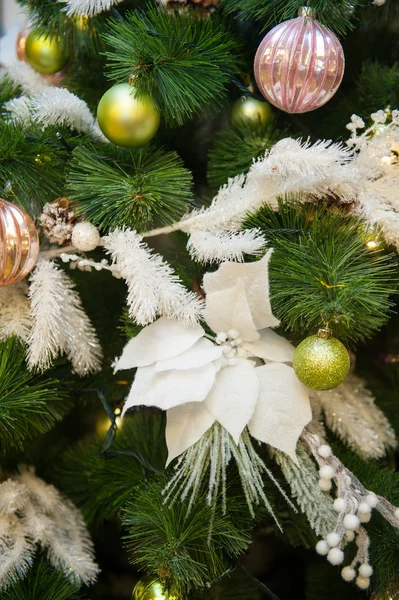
<point x="19" y="243"/>
<point x="250" y="110"/>
<point x="321" y="362"/>
<point x="125" y="119"/>
<point x="46" y="54"/>
<point x="151" y="588"/>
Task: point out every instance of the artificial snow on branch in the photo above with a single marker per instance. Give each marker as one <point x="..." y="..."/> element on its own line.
<point x="216" y="247"/>
<point x="32" y="514"/>
<point x="153" y="288"/>
<point x="88" y="8"/>
<point x="22" y="74"/>
<point x="59" y="323"/>
<point x="15" y="317"/>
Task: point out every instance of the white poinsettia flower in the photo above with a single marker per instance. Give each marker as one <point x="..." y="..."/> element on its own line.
<point x="239" y="377"/>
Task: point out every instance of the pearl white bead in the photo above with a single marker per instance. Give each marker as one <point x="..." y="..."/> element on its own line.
<point x="351" y="522"/>
<point x="365" y="570"/>
<point x="324" y="451"/>
<point x="348" y="573"/>
<point x="326" y="472"/>
<point x="325" y="484"/>
<point x="363" y="583"/>
<point x="335" y="556"/>
<point x="85" y="237"/>
<point x="339" y="505"/>
<point x="322" y="548"/>
<point x="371" y="500"/>
<point x="364" y="508"/>
<point x="349" y="535"/>
<point x="333" y="539"/>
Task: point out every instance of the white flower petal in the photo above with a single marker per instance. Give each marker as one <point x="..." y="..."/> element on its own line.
<point x="203" y="352"/>
<point x="271" y="346"/>
<point x="229" y="309"/>
<point x="255" y="276"/>
<point x="163" y="339"/>
<point x="170" y="388"/>
<point x="185" y="425"/>
<point x="233" y="397"/>
<point x="283" y="408"/>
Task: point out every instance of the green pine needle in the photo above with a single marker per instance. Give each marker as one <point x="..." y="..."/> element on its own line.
<point x="29" y="405"/>
<point x="322" y="272"/>
<point x="184" y="62"/>
<point x="132" y="188"/>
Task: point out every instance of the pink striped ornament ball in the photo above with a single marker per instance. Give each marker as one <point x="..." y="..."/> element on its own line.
<point x="299" y="64"/>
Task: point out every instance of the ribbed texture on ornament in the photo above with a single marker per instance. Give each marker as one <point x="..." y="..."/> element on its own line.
<point x="299" y="65"/>
<point x="19" y="243"/>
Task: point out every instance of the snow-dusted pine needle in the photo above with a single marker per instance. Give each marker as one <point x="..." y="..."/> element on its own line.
<point x="350" y="411"/>
<point x="22" y="74"/>
<point x="220" y="246"/>
<point x="15" y="318"/>
<point x="88" y="8"/>
<point x="18" y="110"/>
<point x="59" y="323"/>
<point x="153" y="288"/>
<point x="33" y="513"/>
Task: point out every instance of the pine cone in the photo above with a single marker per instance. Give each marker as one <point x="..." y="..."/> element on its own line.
<point x="57" y="221"/>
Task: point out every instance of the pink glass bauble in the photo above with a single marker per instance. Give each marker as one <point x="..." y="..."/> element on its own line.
<point x="19" y="243"/>
<point x="299" y="65"/>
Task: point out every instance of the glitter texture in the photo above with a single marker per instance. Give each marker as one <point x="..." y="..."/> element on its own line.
<point x="321" y="363"/>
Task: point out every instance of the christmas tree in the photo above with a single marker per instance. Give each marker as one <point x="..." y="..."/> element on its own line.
<point x="199" y="217"/>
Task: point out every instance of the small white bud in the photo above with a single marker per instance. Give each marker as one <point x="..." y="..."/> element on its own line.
<point x="322" y="548"/>
<point x="233" y="334"/>
<point x="351" y="522"/>
<point x="348" y="573"/>
<point x="371" y="500"/>
<point x="364" y="508"/>
<point x="325" y="485"/>
<point x="221" y="337"/>
<point x="365" y="570"/>
<point x="339" y="505"/>
<point x="326" y="472"/>
<point x="396" y="514"/>
<point x="349" y="535"/>
<point x="333" y="539"/>
<point x="325" y="451"/>
<point x="335" y="556"/>
<point x="363" y="582"/>
<point x="364" y="518"/>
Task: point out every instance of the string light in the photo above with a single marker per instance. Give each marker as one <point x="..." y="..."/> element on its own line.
<point x="372" y="244"/>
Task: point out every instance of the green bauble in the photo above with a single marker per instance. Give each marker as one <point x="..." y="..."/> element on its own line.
<point x="321" y="362"/>
<point x="249" y="110"/>
<point x="46" y="54"/>
<point x="125" y="119"/>
<point x="150" y="588"/>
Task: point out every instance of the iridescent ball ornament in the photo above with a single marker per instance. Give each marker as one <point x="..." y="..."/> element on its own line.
<point x="19" y="243"/>
<point x="299" y="64"/>
<point x="321" y="362"/>
<point x="46" y="54"/>
<point x="127" y="118"/>
<point x="251" y="111"/>
<point x="151" y="588"/>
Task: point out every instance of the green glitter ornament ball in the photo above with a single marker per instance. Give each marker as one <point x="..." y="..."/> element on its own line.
<point x="321" y="362"/>
<point x="151" y="588"/>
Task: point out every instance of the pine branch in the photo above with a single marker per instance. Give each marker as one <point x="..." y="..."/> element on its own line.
<point x="28" y="405"/>
<point x="338" y="15"/>
<point x="182" y="61"/>
<point x="133" y="188"/>
<point x="323" y="272"/>
<point x="8" y="89"/>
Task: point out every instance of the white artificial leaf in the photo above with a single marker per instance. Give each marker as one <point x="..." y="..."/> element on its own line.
<point x="271" y="346"/>
<point x="283" y="408"/>
<point x="170" y="388"/>
<point x="164" y="339"/>
<point x="233" y="397"/>
<point x="229" y="309"/>
<point x="255" y="276"/>
<point x="185" y="425"/>
<point x="203" y="352"/>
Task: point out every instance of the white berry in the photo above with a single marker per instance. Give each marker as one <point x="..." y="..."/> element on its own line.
<point x="339" y="505"/>
<point x="322" y="548"/>
<point x="233" y="334"/>
<point x="372" y="500"/>
<point x="363" y="583"/>
<point x="365" y="570"/>
<point x="364" y="508"/>
<point x="396" y="513"/>
<point x="351" y="522"/>
<point x="349" y="535"/>
<point x="365" y="518"/>
<point x="325" y="451"/>
<point x="335" y="556"/>
<point x="348" y="573"/>
<point x="333" y="539"/>
<point x="325" y="484"/>
<point x="326" y="472"/>
<point x="85" y="237"/>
